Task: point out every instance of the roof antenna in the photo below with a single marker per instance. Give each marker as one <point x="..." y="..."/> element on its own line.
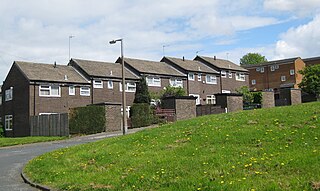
<point x="55" y="64"/>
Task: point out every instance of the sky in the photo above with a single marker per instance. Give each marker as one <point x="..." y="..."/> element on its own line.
<point x="40" y="30"/>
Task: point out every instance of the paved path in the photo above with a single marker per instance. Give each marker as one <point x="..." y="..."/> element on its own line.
<point x="12" y="159"/>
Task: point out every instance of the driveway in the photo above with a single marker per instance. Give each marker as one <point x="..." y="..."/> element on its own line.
<point x="12" y="159"/>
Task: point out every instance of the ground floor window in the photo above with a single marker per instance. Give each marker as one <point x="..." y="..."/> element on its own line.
<point x="211" y="99"/>
<point x="8" y="123"/>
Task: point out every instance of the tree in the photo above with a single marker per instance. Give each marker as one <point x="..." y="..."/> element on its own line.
<point x="172" y="91"/>
<point x="311" y="80"/>
<point x="247" y="95"/>
<point x="142" y="93"/>
<point x="252" y="58"/>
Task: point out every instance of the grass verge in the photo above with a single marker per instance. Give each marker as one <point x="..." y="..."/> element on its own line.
<point x="267" y="149"/>
<point x="5" y="141"/>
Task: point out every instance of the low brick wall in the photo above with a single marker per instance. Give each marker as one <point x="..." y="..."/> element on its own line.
<point x="268" y="99"/>
<point x="185" y="106"/>
<point x="233" y="102"/>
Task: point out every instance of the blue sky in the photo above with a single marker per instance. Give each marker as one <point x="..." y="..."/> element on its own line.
<point x="38" y="30"/>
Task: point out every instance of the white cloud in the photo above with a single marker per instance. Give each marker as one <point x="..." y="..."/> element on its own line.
<point x="303" y="41"/>
<point x="295" y="7"/>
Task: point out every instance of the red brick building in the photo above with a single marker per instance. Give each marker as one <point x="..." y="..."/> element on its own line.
<point x="275" y="75"/>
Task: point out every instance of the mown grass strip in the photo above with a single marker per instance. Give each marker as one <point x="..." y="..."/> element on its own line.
<point x="5" y="141"/>
<point x="267" y="149"/>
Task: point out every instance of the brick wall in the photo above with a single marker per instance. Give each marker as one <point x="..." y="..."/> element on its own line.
<point x="267" y="99"/>
<point x="185" y="108"/>
<point x="233" y="102"/>
<point x="113" y="117"/>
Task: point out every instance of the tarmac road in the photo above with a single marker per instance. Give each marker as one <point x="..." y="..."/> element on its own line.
<point x="13" y="159"/>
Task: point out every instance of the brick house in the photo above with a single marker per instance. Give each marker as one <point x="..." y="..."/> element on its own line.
<point x="275" y="75"/>
<point x="158" y="74"/>
<point x="105" y="80"/>
<point x="311" y="61"/>
<point x="232" y="76"/>
<point x="35" y="89"/>
<point x="203" y="81"/>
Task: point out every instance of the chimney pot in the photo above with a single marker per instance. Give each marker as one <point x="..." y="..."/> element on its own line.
<point x="215" y="58"/>
<point x="183" y="58"/>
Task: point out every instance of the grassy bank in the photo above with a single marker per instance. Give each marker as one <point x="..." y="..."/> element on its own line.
<point x="5" y="141"/>
<point x="267" y="149"/>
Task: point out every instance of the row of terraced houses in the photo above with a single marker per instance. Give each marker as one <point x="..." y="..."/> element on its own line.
<point x="32" y="89"/>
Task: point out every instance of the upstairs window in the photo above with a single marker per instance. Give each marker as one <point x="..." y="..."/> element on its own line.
<point x="49" y="90"/>
<point x="230" y="74"/>
<point x="97" y="84"/>
<point x="253" y="82"/>
<point x="283" y="78"/>
<point x="110" y="84"/>
<point x="85" y="91"/>
<point x="174" y="82"/>
<point x="154" y="81"/>
<point x="291" y="72"/>
<point x="272" y="68"/>
<point x="191" y="76"/>
<point x="72" y="90"/>
<point x="262" y="69"/>
<point x="130" y="87"/>
<point x="240" y="77"/>
<point x="223" y="74"/>
<point x="9" y="94"/>
<point x="199" y="77"/>
<point x="211" y="79"/>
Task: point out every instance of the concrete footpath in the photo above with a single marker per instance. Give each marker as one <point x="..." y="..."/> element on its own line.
<point x="13" y="159"/>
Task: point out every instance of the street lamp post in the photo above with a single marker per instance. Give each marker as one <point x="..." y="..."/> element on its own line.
<point x="70" y="37"/>
<point x="124" y="115"/>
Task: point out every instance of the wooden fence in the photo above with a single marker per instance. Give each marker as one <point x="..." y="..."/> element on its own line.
<point x="209" y="109"/>
<point x="49" y="125"/>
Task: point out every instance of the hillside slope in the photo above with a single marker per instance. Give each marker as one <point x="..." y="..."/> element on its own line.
<point x="267" y="149"/>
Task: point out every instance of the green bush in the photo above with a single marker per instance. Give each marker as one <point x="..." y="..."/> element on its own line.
<point x="140" y="115"/>
<point x="87" y="120"/>
<point x="257" y="97"/>
<point x="1" y="131"/>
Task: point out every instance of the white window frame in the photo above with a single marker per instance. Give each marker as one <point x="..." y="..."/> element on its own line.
<point x="191" y="76"/>
<point x="72" y="90"/>
<point x="130" y="87"/>
<point x="211" y="99"/>
<point x="272" y="68"/>
<point x="283" y="78"/>
<point x="198" y="101"/>
<point x="292" y="72"/>
<point x="211" y="79"/>
<point x="110" y="84"/>
<point x="199" y="77"/>
<point x="85" y="91"/>
<point x="8" y="122"/>
<point x="253" y="82"/>
<point x="49" y="88"/>
<point x="258" y="69"/>
<point x="153" y="81"/>
<point x="176" y="82"/>
<point x="240" y="77"/>
<point x="262" y="69"/>
<point x="230" y="74"/>
<point x="9" y="94"/>
<point x="226" y="91"/>
<point x="97" y="84"/>
<point x="276" y="66"/>
<point x="223" y="74"/>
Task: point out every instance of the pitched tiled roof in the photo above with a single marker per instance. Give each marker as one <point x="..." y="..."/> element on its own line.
<point x="50" y="72"/>
<point x="191" y="65"/>
<point x="152" y="67"/>
<point x="103" y="69"/>
<point x="222" y="64"/>
<point x="283" y="61"/>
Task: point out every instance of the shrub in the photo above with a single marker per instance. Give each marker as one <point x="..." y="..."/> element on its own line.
<point x="257" y="97"/>
<point x="87" y="120"/>
<point x="1" y="131"/>
<point x="142" y="93"/>
<point x="140" y="115"/>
